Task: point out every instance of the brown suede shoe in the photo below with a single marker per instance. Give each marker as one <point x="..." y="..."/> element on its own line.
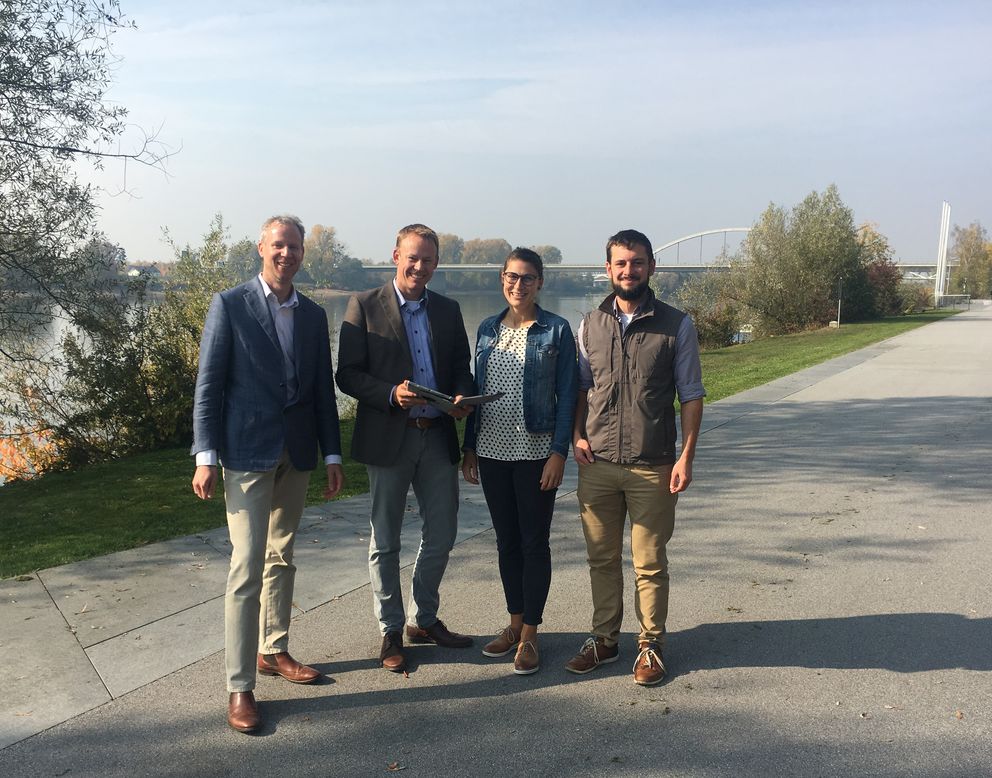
<point x="527" y="660"/>
<point x="649" y="669"/>
<point x="242" y="712"/>
<point x="391" y="654"/>
<point x="438" y="634"/>
<point x="502" y="644"/>
<point x="283" y="664"/>
<point x="594" y="653"/>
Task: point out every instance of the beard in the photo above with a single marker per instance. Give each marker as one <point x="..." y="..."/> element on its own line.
<point x="631" y="294"/>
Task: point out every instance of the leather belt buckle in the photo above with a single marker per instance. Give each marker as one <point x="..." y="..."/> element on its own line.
<point x="422" y="423"/>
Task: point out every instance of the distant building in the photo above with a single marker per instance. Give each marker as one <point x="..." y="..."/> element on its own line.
<point x="149" y="269"/>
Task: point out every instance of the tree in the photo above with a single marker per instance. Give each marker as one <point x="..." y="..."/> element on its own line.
<point x="449" y="248"/>
<point x="350" y="274"/>
<point x="55" y="68"/>
<point x="123" y="376"/>
<point x="485" y="251"/>
<point x="883" y="275"/>
<point x="243" y="260"/>
<point x="792" y="265"/>
<point x="706" y="298"/>
<point x="551" y="255"/>
<point x="973" y="274"/>
<point x="326" y="256"/>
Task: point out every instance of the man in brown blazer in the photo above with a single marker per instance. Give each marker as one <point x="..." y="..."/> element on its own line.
<point x="402" y="332"/>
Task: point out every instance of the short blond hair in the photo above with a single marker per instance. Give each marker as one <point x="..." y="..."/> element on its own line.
<point x="421" y="230"/>
<point x="286" y="220"/>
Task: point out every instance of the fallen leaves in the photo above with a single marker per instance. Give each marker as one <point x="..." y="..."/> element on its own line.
<point x="395" y="767"/>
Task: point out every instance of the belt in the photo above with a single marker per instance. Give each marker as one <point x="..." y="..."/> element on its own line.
<point x="423" y="422"/>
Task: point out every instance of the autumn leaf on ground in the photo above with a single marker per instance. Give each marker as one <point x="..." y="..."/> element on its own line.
<point x="959" y="714"/>
<point x="395" y="767"/>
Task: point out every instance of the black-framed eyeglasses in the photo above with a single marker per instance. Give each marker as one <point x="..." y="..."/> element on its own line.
<point x="512" y="278"/>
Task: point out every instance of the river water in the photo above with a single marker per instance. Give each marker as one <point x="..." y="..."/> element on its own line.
<point x="477" y="306"/>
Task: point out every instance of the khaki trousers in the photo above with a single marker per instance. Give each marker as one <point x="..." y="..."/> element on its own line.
<point x="263" y="513"/>
<point x="607" y="494"/>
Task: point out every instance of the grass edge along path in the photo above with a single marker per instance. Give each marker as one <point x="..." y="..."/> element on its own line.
<point x="69" y="516"/>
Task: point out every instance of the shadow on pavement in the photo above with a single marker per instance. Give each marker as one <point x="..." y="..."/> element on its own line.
<point x="899" y="642"/>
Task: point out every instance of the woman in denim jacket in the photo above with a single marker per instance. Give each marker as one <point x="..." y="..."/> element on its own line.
<point x="518" y="444"/>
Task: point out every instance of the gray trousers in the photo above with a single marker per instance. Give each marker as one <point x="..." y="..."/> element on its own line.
<point x="424" y="463"/>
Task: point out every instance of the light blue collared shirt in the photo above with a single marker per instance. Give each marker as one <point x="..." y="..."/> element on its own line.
<point x="418" y="335"/>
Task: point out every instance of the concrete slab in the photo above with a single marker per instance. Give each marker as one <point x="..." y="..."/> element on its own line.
<point x="154" y="650"/>
<point x="48" y="678"/>
<point x="108" y="596"/>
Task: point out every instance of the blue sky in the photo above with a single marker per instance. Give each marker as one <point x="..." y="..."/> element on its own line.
<point x="551" y="122"/>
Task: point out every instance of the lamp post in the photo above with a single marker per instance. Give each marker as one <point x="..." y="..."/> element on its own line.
<point x="840" y="289"/>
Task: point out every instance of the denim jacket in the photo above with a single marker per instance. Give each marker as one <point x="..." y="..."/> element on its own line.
<point x="551" y="377"/>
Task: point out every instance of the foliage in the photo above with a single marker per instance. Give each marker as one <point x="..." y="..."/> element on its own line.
<point x="973" y="253"/>
<point x="705" y="297"/>
<point x="450" y="248"/>
<point x="914" y="297"/>
<point x="882" y="274"/>
<point x="550" y="255"/>
<point x="794" y="264"/>
<point x="121" y="380"/>
<point x="328" y="262"/>
<point x="243" y="260"/>
<point x="55" y="68"/>
<point x="485" y="251"/>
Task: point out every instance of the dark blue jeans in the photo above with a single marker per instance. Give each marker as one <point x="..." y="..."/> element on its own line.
<point x="521" y="515"/>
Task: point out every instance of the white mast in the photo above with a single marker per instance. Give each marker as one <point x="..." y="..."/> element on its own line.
<point x="940" y="285"/>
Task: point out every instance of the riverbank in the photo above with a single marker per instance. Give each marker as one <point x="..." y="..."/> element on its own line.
<point x="65" y="517"/>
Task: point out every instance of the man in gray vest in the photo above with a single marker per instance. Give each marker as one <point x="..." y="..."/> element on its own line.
<point x="635" y="353"/>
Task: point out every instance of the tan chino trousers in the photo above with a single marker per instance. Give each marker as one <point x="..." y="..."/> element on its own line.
<point x="607" y="494"/>
<point x="263" y="513"/>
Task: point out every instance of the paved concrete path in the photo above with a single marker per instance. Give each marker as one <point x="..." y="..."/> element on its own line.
<point x="831" y="615"/>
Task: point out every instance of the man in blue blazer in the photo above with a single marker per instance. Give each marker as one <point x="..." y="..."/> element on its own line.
<point x="264" y="401"/>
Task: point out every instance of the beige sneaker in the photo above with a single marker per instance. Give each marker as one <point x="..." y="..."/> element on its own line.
<point x="527" y="660"/>
<point x="649" y="669"/>
<point x="594" y="653"/>
<point x="502" y="644"/>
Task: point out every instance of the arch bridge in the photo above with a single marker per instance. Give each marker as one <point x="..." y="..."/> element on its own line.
<point x="912" y="271"/>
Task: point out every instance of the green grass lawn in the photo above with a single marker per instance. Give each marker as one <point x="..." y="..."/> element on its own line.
<point x="727" y="371"/>
<point x="63" y="517"/>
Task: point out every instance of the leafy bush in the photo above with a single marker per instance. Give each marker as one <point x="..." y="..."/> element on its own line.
<point x="914" y="298"/>
<point x="706" y="299"/>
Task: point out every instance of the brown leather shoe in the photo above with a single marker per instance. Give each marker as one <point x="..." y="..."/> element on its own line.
<point x="438" y="634"/>
<point x="242" y="712"/>
<point x="502" y="644"/>
<point x="527" y="660"/>
<point x="283" y="664"/>
<point x="391" y="655"/>
<point x="649" y="669"/>
<point x="594" y="652"/>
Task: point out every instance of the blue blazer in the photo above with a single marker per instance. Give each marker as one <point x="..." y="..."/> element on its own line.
<point x="240" y="408"/>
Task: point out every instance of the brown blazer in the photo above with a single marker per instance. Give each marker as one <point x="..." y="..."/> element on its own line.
<point x="374" y="356"/>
